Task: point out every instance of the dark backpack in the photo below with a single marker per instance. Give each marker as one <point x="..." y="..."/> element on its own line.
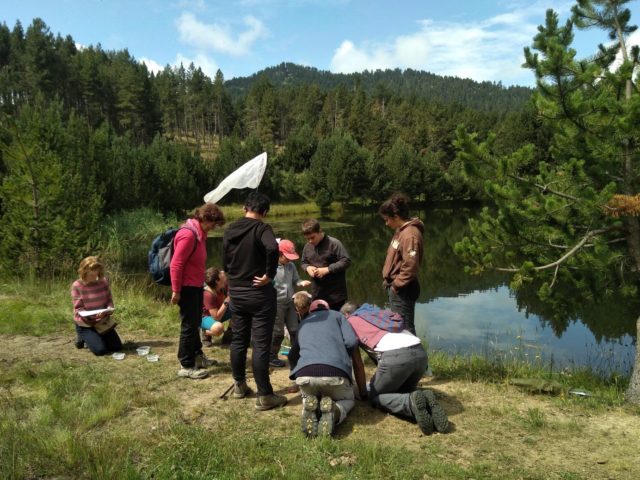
<point x="160" y="255"/>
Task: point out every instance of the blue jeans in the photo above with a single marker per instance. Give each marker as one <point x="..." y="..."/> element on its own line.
<point x="99" y="344"/>
<point x="397" y="375"/>
<point x="404" y="302"/>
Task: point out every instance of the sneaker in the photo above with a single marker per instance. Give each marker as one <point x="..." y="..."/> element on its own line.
<point x="79" y="343"/>
<point x="206" y="341"/>
<point x="203" y="362"/>
<point x="241" y="390"/>
<point x="329" y="416"/>
<point x="277" y="363"/>
<point x="194" y="373"/>
<point x="267" y="402"/>
<point x="420" y="410"/>
<point x="309" y="418"/>
<point x="438" y="414"/>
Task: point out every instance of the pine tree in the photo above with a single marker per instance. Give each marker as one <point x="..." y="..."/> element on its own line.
<point x="553" y="219"/>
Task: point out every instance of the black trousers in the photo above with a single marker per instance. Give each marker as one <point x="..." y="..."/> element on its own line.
<point x="190" y="317"/>
<point x="99" y="344"/>
<point x="253" y="316"/>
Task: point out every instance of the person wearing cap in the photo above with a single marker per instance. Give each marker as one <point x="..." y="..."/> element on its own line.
<point x="285" y="281"/>
<point x="321" y="365"/>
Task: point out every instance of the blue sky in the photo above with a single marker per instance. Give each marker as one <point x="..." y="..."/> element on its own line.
<point x="478" y="39"/>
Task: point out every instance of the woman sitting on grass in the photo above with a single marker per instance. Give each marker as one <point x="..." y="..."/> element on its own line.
<point x="91" y="292"/>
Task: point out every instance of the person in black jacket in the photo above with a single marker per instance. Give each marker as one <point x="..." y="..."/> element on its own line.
<point x="325" y="260"/>
<point x="250" y="258"/>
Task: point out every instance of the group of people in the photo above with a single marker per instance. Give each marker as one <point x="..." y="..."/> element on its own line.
<point x="256" y="288"/>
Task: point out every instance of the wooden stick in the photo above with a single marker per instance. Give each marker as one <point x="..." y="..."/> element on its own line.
<point x="227" y="390"/>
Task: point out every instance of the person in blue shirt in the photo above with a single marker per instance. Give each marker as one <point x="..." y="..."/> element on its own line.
<point x="321" y="365"/>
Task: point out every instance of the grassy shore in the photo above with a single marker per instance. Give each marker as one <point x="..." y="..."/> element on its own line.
<point x="68" y="414"/>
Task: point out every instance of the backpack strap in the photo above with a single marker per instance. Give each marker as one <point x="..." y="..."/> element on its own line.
<point x="195" y="244"/>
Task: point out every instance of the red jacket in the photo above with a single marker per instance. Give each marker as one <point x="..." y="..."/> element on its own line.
<point x="188" y="265"/>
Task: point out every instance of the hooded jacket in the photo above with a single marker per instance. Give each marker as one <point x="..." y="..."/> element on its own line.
<point x="249" y="249"/>
<point x="189" y="256"/>
<point x="404" y="254"/>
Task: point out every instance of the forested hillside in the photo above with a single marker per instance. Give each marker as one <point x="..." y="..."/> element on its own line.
<point x="86" y="133"/>
<point x="483" y="96"/>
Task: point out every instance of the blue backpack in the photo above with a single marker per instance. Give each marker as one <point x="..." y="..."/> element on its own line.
<point x="160" y="255"/>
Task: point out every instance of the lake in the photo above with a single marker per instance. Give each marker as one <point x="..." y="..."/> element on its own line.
<point x="462" y="313"/>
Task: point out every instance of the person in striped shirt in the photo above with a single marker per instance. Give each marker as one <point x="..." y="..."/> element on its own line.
<point x="91" y="292"/>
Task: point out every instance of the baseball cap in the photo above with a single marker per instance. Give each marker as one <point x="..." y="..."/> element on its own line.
<point x="318" y="305"/>
<point x="288" y="249"/>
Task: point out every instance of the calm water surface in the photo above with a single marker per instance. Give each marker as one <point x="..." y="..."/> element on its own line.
<point x="462" y="313"/>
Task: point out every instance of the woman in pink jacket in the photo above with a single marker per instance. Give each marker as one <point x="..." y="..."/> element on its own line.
<point x="187" y="269"/>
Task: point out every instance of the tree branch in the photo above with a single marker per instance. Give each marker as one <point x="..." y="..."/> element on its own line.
<point x="565" y="257"/>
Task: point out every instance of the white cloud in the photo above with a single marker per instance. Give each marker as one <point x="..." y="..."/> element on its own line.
<point x="207" y="37"/>
<point x="633" y="39"/>
<point x="152" y="65"/>
<point x="207" y="64"/>
<point x="490" y="49"/>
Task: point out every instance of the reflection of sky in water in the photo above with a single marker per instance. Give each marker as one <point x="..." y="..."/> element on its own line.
<point x="489" y="322"/>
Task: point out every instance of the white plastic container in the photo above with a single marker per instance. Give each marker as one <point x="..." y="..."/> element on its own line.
<point x="119" y="355"/>
<point x="153" y="357"/>
<point x="142" y="351"/>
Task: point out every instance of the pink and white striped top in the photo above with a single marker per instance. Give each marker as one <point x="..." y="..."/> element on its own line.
<point x="91" y="296"/>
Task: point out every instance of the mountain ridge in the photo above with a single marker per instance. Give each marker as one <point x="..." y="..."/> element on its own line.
<point x="483" y="96"/>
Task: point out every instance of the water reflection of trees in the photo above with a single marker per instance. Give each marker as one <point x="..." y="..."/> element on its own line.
<point x="443" y="275"/>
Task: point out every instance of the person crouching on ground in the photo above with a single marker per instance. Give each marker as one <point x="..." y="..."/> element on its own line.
<point x="215" y="308"/>
<point x="92" y="292"/>
<point x="320" y="362"/>
<point x="286" y="280"/>
<point x="401" y="361"/>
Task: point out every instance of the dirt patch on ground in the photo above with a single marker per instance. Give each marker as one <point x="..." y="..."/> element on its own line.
<point x="491" y="423"/>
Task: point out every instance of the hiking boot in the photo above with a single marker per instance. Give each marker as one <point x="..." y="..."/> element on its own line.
<point x="203" y="362"/>
<point x="241" y="390"/>
<point x="309" y="418"/>
<point x="420" y="410"/>
<point x="267" y="402"/>
<point x="438" y="414"/>
<point x="329" y="416"/>
<point x="277" y="363"/>
<point x="193" y="373"/>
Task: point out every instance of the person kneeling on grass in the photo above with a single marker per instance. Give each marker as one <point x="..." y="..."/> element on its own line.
<point x="320" y="362"/>
<point x="401" y="361"/>
<point x="92" y="292"/>
<point x="215" y="308"/>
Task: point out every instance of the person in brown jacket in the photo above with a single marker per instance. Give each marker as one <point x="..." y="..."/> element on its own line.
<point x="404" y="255"/>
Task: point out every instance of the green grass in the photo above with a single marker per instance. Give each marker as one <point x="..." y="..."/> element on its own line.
<point x="96" y="418"/>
